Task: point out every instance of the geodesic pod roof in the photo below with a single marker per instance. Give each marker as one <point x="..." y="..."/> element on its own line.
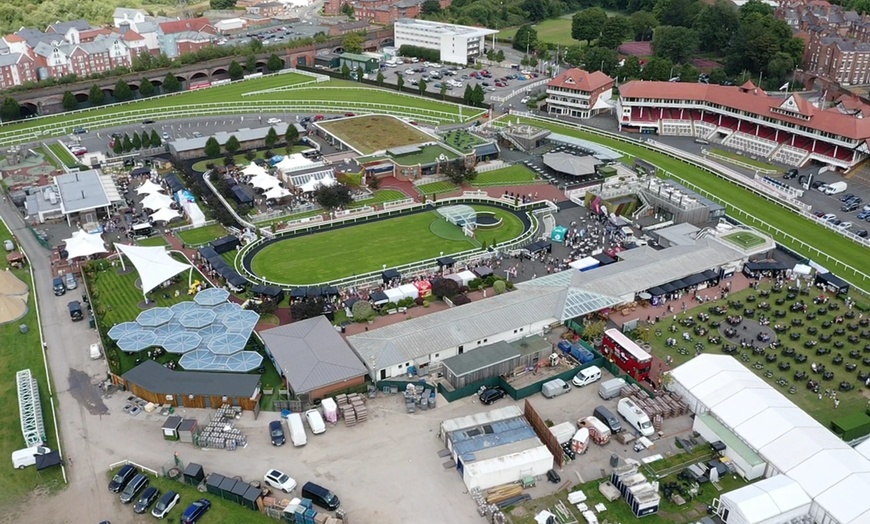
<point x="227" y="344"/>
<point x="204" y="360"/>
<point x="137" y="341"/>
<point x="124" y="328"/>
<point x="155" y="317"/>
<point x="197" y="318"/>
<point x="211" y="297"/>
<point x="182" y="342"/>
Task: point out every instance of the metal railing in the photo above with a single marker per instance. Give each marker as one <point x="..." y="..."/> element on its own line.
<point x="188" y="227"/>
<point x="739" y="163"/>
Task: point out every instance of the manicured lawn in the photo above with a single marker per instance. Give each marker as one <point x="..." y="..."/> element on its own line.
<point x="553" y="31"/>
<point x="201" y="235"/>
<point x="339" y="253"/>
<point x="462" y="140"/>
<point x="65" y="157"/>
<point x="221" y="510"/>
<point x="48" y="158"/>
<point x="426" y="155"/>
<point x="368" y="134"/>
<point x="733" y="197"/>
<point x="436" y="188"/>
<point x="516" y="174"/>
<point x="23" y="351"/>
<point x="851" y="402"/>
<point x="744" y="239"/>
<point x="380" y="196"/>
<point x="157" y="240"/>
<point x="242" y="161"/>
<point x="745" y="159"/>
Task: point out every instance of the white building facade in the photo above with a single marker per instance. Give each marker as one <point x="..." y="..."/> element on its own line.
<point x="458" y="44"/>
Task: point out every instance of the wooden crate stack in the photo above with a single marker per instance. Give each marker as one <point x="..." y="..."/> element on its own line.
<point x="668" y="405"/>
<point x="502" y="493"/>
<point x="352" y="407"/>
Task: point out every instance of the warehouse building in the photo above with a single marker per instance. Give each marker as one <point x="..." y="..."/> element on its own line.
<point x="458" y="44"/>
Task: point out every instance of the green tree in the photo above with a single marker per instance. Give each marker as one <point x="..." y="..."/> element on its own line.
<point x="536" y="10"/>
<point x="380" y="78"/>
<point x="232" y="145"/>
<point x="271" y="137"/>
<point x="117" y="146"/>
<point x="688" y="73"/>
<point x="255" y="45"/>
<point x="353" y="43"/>
<point x="717" y="22"/>
<point x="615" y="30"/>
<point x="212" y="148"/>
<point x="400" y="83"/>
<point x="291" y="136"/>
<point x="127" y="143"/>
<point x="499" y="57"/>
<point x="600" y="59"/>
<point x="251" y="63"/>
<point x="123" y="92"/>
<point x="467" y="94"/>
<point x="345" y="71"/>
<point x="146" y="140"/>
<point x="362" y="310"/>
<point x="146" y="88"/>
<point x="642" y="25"/>
<point x="779" y="69"/>
<point x="677" y="44"/>
<point x="587" y="24"/>
<point x="678" y="13"/>
<point x="171" y="83"/>
<point x="443" y="91"/>
<point x="630" y="68"/>
<point x="657" y="69"/>
<point x="96" y="95"/>
<point x="755" y="7"/>
<point x="360" y="74"/>
<point x="69" y="101"/>
<point x="10" y="110"/>
<point x="422" y="86"/>
<point x="155" y="139"/>
<point x="235" y="71"/>
<point x="347" y="10"/>
<point x="274" y="64"/>
<point x="477" y="95"/>
<point x="445" y="287"/>
<point x="333" y="197"/>
<point x="136" y="141"/>
<point x="525" y="38"/>
<point x="718" y="76"/>
<point x="430" y="7"/>
<point x="574" y="55"/>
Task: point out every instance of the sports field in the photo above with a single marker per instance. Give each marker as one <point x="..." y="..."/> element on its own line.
<point x="552" y="31"/>
<point x="368" y="134"/>
<point x="339" y="253"/>
<point x="739" y="202"/>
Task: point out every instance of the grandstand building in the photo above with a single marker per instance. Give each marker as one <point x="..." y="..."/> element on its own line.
<point x="789" y="130"/>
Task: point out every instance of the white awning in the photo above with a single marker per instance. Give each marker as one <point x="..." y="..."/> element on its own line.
<point x="165" y="215"/>
<point x="265" y="182"/>
<point x="311" y="185"/>
<point x="156" y="201"/>
<point x="277" y="192"/>
<point x="294" y="162"/>
<point x="110" y="188"/>
<point x="148" y="188"/>
<point x="254" y="170"/>
<point x="84" y="244"/>
<point x="154" y="264"/>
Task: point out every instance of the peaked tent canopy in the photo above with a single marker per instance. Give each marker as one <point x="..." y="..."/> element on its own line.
<point x="154" y="264"/>
<point x="156" y="201"/>
<point x="265" y="182"/>
<point x="84" y="244"/>
<point x="312" y="184"/>
<point x="165" y="215"/>
<point x="148" y="188"/>
<point x="253" y="170"/>
<point x="276" y="192"/>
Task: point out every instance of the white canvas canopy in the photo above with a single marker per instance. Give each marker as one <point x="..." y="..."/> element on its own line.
<point x="156" y="201"/>
<point x="802" y="269"/>
<point x="409" y="291"/>
<point x="84" y="244"/>
<point x="585" y="263"/>
<point x="148" y="188"/>
<point x="165" y="215"/>
<point x="311" y="185"/>
<point x="277" y="192"/>
<point x="394" y="294"/>
<point x="771" y="500"/>
<point x="265" y="182"/>
<point x="154" y="264"/>
<point x="466" y="276"/>
<point x="293" y="162"/>
<point x="254" y="170"/>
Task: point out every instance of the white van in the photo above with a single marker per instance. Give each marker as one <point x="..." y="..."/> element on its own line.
<point x="315" y="421"/>
<point x="587" y="376"/>
<point x="635" y="417"/>
<point x="555" y="387"/>
<point x="297" y="430"/>
<point x="834" y="189"/>
<point x="27" y="456"/>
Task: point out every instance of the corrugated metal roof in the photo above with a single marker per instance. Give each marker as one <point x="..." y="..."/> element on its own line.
<point x="158" y="379"/>
<point x="480" y="358"/>
<point x="418" y="337"/>
<point x="312" y="354"/>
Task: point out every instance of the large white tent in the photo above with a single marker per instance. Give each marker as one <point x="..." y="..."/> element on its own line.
<point x="165" y="215"/>
<point x="253" y="170"/>
<point x="294" y="162"/>
<point x="265" y="182"/>
<point x="154" y="264"/>
<point x="84" y="244"/>
<point x="772" y="500"/>
<point x="311" y="185"/>
<point x="148" y="188"/>
<point x="156" y="201"/>
<point x="277" y="192"/>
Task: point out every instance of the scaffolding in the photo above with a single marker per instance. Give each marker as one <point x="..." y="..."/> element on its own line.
<point x="32" y="426"/>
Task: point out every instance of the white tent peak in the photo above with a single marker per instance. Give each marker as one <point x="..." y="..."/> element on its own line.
<point x="165" y="215"/>
<point x="154" y="264"/>
<point x="84" y="244"/>
<point x="148" y="188"/>
<point x="253" y="170"/>
<point x="264" y="182"/>
<point x="156" y="201"/>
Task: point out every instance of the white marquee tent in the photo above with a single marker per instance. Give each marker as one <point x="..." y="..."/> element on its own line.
<point x="277" y="192"/>
<point x="165" y="215"/>
<point x="264" y="182"/>
<point x="148" y="188"/>
<point x="154" y="264"/>
<point x="294" y="162"/>
<point x="776" y="499"/>
<point x="84" y="244"/>
<point x="788" y="440"/>
<point x="254" y="170"/>
<point x="311" y="185"/>
<point x="156" y="201"/>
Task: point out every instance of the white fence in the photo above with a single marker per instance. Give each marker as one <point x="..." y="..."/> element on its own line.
<point x="525" y="89"/>
<point x="738" y="163"/>
<point x="395" y="204"/>
<point x="188" y="227"/>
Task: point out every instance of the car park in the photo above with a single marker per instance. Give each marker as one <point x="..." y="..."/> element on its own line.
<point x="490" y="395"/>
<point x="848" y="207"/>
<point x="165" y="504"/>
<point x="276" y="433"/>
<point x="146" y="499"/>
<point x="122" y="478"/>
<point x="279" y="480"/>
<point x="137" y="484"/>
<point x="195" y="511"/>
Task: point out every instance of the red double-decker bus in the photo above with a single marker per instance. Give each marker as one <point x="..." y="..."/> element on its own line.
<point x="630" y="357"/>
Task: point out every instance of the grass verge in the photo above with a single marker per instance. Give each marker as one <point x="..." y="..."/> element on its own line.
<point x="201" y="235"/>
<point x="513" y="175"/>
<point x="436" y="188"/>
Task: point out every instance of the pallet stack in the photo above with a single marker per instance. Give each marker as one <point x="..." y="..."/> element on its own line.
<point x="358" y="402"/>
<point x="491" y="512"/>
<point x="668" y="405"/>
<point x="503" y="493"/>
<point x="352" y="408"/>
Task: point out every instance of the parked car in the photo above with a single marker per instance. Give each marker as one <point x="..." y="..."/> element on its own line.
<point x="272" y="121"/>
<point x="137" y="484"/>
<point x="279" y="480"/>
<point x="843" y="226"/>
<point x="863" y="215"/>
<point x="553" y="477"/>
<point x="791" y="173"/>
<point x="846" y="198"/>
<point x="146" y="122"/>
<point x="69" y="280"/>
<point x="58" y="286"/>
<point x="320" y="496"/>
<point x="146" y="499"/>
<point x="490" y="395"/>
<point x="165" y="504"/>
<point x="122" y="478"/>
<point x="848" y="207"/>
<point x="79" y="131"/>
<point x="195" y="511"/>
<point x="276" y="432"/>
<point x="861" y="233"/>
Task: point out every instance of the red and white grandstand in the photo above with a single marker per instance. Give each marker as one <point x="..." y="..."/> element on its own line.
<point x="786" y="129"/>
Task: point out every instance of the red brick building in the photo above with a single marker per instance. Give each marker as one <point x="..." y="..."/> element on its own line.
<point x="579" y="93"/>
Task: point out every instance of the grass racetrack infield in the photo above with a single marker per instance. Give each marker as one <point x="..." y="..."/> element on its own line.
<point x="332" y="254"/>
<point x="738" y="202"/>
<point x="444" y="229"/>
<point x="368" y="134"/>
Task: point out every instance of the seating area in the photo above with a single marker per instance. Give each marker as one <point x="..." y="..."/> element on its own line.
<point x="791" y="156"/>
<point x="751" y="145"/>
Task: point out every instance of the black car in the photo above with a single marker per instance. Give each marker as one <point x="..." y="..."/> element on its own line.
<point x="553" y="477"/>
<point x="847" y="197"/>
<point x="276" y="432"/>
<point x="195" y="511"/>
<point x="490" y="395"/>
<point x="863" y="233"/>
<point x="122" y="478"/>
<point x="146" y="499"/>
<point x="133" y="488"/>
<point x="146" y="122"/>
<point x="791" y="173"/>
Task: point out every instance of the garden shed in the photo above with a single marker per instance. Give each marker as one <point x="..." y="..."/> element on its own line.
<point x="170" y="427"/>
<point x="186" y="430"/>
<point x="227" y="489"/>
<point x="213" y="483"/>
<point x="486" y="362"/>
<point x="193" y="474"/>
<point x="251" y="497"/>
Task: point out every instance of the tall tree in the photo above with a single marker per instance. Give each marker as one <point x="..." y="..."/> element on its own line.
<point x="430" y="7"/>
<point x="69" y="101"/>
<point x="291" y="136"/>
<point x="630" y="68"/>
<point x="146" y="139"/>
<point x="657" y="69"/>
<point x="117" y="146"/>
<point x="232" y="145"/>
<point x="10" y="110"/>
<point x="271" y="137"/>
<point x="235" y="71"/>
<point x="422" y="86"/>
<point x="212" y="147"/>
<point x="587" y="24"/>
<point x="677" y="44"/>
<point x="574" y="55"/>
<point x="443" y="91"/>
<point x="536" y="10"/>
<point x="156" y="141"/>
<point x="353" y="43"/>
<point x="171" y="83"/>
<point x="345" y="70"/>
<point x="677" y="12"/>
<point x="615" y="30"/>
<point x="400" y="83"/>
<point x="477" y="95"/>
<point x="136" y="141"/>
<point x="717" y="22"/>
<point x="333" y="197"/>
<point x="642" y="25"/>
<point x="380" y="78"/>
<point x="251" y="63"/>
<point x="525" y="38"/>
<point x="127" y="143"/>
<point x="146" y="88"/>
<point x="499" y="56"/>
<point x="779" y="69"/>
<point x="96" y="95"/>
<point x="274" y="64"/>
<point x="755" y="7"/>
<point x="466" y="96"/>
<point x="123" y="92"/>
<point x="600" y="59"/>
